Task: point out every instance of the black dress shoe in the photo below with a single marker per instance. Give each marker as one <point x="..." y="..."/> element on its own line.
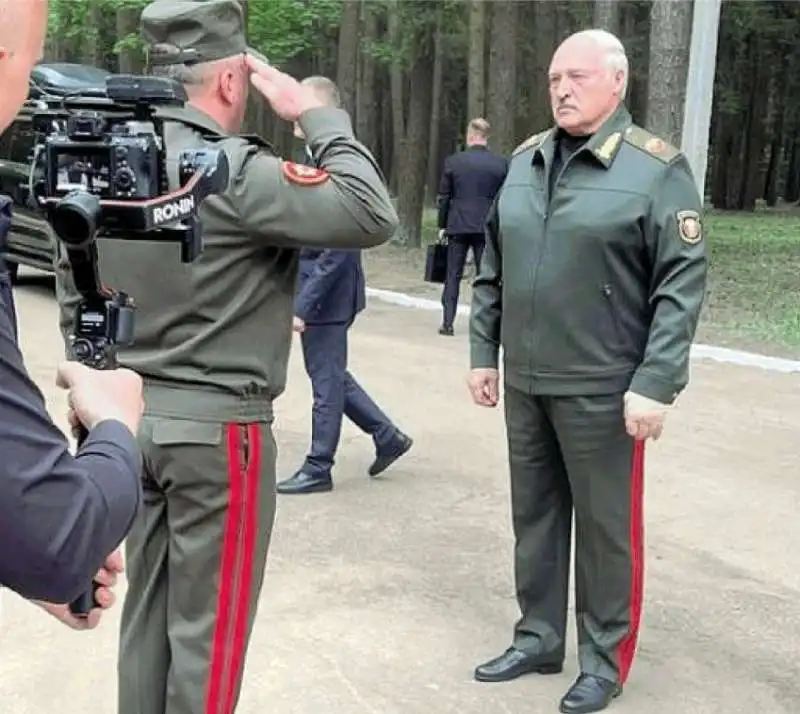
<point x="446" y="331"/>
<point x="589" y="694"/>
<point x="514" y="663"/>
<point x="303" y="482"/>
<point x="389" y="454"/>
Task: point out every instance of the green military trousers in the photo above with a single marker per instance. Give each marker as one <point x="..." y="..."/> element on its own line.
<point x="572" y="454"/>
<point x="195" y="564"/>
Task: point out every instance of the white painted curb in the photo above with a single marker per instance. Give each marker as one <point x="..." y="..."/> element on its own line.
<point x="716" y="354"/>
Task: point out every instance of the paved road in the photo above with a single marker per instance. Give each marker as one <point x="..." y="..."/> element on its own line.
<point x="382" y="596"/>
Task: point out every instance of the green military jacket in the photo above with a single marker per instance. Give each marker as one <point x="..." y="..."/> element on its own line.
<point x="222" y="324"/>
<point x="597" y="287"/>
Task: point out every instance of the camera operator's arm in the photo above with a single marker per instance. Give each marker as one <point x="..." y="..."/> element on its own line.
<point x="60" y="516"/>
<point x="342" y="204"/>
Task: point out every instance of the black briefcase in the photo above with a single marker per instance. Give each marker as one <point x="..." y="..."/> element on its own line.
<point x="436" y="263"/>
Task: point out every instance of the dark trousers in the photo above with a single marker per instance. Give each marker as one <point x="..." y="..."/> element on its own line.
<point x="336" y="394"/>
<point x="7" y="301"/>
<point x="572" y="454"/>
<point x="457" y="248"/>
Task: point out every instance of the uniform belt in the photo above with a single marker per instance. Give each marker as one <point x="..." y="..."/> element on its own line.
<point x="204" y="404"/>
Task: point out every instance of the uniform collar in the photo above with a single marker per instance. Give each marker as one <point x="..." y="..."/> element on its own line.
<point x="603" y="145"/>
<point x="187" y="114"/>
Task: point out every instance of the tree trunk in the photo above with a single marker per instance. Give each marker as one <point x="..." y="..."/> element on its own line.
<point x="347" y="62"/>
<point x="476" y="71"/>
<point x="607" y="15"/>
<point x="130" y="59"/>
<point x="502" y="73"/>
<point x="366" y="95"/>
<point x="412" y="163"/>
<point x="436" y="114"/>
<point x="670" y="34"/>
<point x="397" y="88"/>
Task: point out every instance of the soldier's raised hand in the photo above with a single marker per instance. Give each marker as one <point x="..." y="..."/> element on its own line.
<point x="288" y="98"/>
<point x="484" y="386"/>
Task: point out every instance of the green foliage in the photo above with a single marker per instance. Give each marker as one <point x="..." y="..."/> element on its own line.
<point x="282" y="29"/>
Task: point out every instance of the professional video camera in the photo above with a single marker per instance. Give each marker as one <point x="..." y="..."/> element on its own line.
<point x="101" y="169"/>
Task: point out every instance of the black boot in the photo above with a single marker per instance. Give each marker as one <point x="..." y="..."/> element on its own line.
<point x="589" y="694"/>
<point x="387" y="455"/>
<point x="303" y="482"/>
<point x="514" y="663"/>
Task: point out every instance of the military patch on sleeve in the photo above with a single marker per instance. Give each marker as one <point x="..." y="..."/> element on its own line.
<point x="302" y="175"/>
<point x="531" y="142"/>
<point x="690" y="227"/>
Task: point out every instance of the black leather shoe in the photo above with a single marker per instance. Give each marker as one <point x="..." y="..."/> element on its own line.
<point x="514" y="663"/>
<point x="589" y="694"/>
<point x="388" y="455"/>
<point x="446" y="331"/>
<point x="303" y="482"/>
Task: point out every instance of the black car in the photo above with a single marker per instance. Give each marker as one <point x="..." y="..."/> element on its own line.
<point x="30" y="241"/>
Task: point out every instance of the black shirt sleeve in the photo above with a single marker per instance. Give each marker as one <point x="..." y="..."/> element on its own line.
<point x="60" y="516"/>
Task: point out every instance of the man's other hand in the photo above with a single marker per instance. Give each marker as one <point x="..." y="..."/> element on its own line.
<point x="288" y="98"/>
<point x="644" y="417"/>
<point x="107" y="578"/>
<point x="298" y="326"/>
<point x="96" y="395"/>
<point x="484" y="386"/>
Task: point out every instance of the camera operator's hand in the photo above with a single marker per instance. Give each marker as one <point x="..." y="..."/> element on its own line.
<point x="97" y="395"/>
<point x="288" y="98"/>
<point x="107" y="578"/>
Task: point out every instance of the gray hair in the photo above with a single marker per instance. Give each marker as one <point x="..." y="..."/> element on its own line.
<point x="193" y="75"/>
<point x="325" y="89"/>
<point x="613" y="49"/>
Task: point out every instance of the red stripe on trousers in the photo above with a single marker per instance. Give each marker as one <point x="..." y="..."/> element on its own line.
<point x="627" y="648"/>
<point x="230" y="547"/>
<point x="250" y="537"/>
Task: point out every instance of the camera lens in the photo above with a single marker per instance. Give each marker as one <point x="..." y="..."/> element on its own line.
<point x="75" y="218"/>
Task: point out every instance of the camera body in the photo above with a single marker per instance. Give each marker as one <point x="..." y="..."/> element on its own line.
<point x="100" y="170"/>
<point x="118" y="162"/>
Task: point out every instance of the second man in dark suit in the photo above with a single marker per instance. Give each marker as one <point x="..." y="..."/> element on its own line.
<point x="469" y="183"/>
<point x="331" y="293"/>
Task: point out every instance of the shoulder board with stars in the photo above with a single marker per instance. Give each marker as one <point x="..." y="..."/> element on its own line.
<point x="651" y="144"/>
<point x="531" y="142"/>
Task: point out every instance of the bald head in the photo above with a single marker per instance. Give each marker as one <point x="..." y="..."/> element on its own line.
<point x="327" y="92"/>
<point x="23" y="26"/>
<point x="588" y="79"/>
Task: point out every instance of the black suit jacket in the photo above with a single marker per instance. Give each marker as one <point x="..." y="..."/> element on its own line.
<point x="470" y="181"/>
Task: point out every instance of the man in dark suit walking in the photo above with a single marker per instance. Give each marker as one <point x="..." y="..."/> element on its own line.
<point x="331" y="293"/>
<point x="469" y="183"/>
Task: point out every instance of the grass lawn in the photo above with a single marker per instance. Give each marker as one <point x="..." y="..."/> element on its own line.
<point x="753" y="300"/>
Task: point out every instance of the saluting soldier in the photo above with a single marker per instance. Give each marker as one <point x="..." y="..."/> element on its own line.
<point x="212" y="343"/>
<point x="594" y="274"/>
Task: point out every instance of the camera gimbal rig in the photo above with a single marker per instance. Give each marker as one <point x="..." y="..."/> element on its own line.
<point x="101" y="172"/>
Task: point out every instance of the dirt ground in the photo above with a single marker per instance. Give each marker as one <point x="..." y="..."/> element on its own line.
<point x="382" y="596"/>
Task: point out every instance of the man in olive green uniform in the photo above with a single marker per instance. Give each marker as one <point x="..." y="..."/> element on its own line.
<point x="212" y="343"/>
<point x="592" y="283"/>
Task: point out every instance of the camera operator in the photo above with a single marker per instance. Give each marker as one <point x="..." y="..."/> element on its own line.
<point x="212" y="341"/>
<point x="60" y="516"/>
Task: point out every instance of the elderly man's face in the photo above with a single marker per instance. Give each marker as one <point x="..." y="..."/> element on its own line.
<point x="23" y="25"/>
<point x="583" y="90"/>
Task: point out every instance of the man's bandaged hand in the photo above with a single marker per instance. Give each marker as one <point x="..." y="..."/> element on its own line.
<point x="644" y="417"/>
